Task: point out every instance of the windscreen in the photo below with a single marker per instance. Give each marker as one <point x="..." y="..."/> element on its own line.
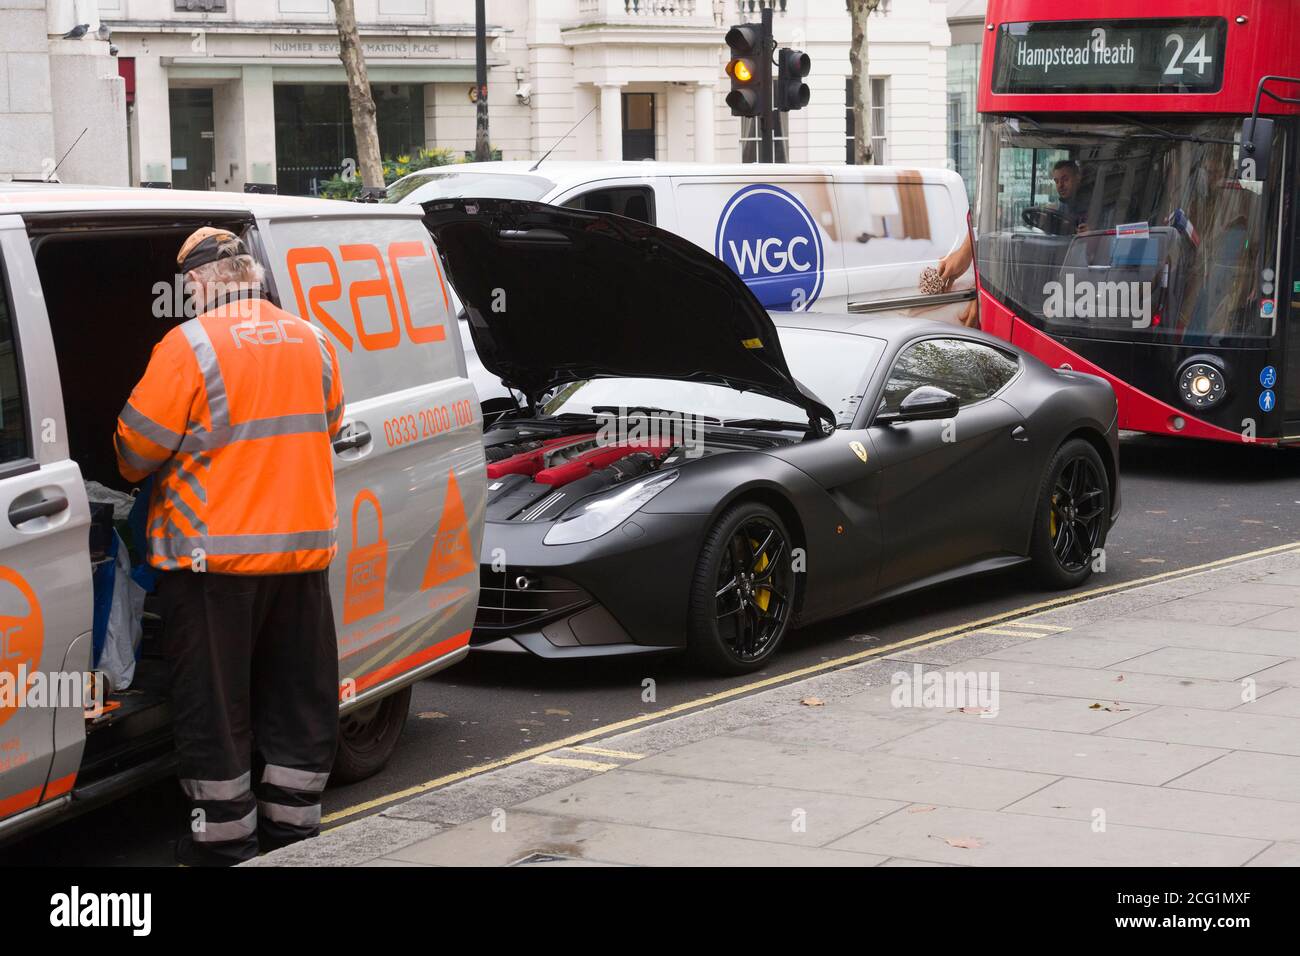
<point x="834" y="366"/>
<point x="467" y="184"/>
<point x="1128" y="229"/>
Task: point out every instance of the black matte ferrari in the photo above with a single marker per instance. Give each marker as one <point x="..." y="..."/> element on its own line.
<point x="692" y="472"/>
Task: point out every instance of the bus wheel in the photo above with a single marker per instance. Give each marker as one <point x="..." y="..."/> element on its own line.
<point x="368" y="736"/>
<point x="1073" y="516"/>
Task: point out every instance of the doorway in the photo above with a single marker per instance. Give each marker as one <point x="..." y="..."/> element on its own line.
<point x="638" y="126"/>
<point x="194" y="155"/>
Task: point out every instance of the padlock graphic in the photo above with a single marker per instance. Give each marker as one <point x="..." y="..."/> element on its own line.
<point x="363" y="594"/>
<point x="22" y="637"/>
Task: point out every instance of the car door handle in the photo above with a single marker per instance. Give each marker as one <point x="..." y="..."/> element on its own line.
<point x="356" y="438"/>
<point x="1019" y="434"/>
<point x="45" y="508"/>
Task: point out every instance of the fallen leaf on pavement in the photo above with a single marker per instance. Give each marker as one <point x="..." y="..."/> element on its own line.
<point x="813" y="702"/>
<point x="1119" y="679"/>
<point x="920" y="809"/>
<point x="430" y="715"/>
<point x="963" y="843"/>
<point x="557" y="712"/>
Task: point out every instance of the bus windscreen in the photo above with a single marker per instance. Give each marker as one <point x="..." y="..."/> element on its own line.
<point x="1118" y="56"/>
<point x="1123" y="230"/>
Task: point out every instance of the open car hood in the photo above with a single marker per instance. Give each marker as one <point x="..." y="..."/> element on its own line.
<point x="560" y="295"/>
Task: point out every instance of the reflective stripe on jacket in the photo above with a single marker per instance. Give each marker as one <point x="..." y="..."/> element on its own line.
<point x="234" y="414"/>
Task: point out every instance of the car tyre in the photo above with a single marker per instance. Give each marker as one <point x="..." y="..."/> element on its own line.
<point x="1072" y="516"/>
<point x="368" y="736"/>
<point x="742" y="596"/>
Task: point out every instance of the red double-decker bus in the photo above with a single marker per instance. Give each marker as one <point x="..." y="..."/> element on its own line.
<point x="1135" y="214"/>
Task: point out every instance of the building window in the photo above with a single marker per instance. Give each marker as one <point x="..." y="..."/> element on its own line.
<point x="200" y="6"/>
<point x="313" y="130"/>
<point x="963" y="79"/>
<point x="750" y="139"/>
<point x="638" y="126"/>
<point x="879" y="142"/>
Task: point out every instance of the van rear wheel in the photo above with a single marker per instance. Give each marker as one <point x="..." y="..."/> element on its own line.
<point x="368" y="736"/>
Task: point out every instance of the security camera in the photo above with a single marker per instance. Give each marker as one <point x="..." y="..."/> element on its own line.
<point x="524" y="93"/>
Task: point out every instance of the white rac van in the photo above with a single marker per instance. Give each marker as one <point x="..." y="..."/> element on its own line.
<point x="86" y="275"/>
<point x="803" y="238"/>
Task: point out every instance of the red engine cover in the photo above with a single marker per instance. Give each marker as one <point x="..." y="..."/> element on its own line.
<point x="531" y="462"/>
<point x="596" y="459"/>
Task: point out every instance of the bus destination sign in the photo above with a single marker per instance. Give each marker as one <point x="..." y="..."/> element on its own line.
<point x="1115" y="56"/>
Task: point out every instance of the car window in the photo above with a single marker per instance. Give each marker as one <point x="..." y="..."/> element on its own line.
<point x="971" y="371"/>
<point x="634" y="202"/>
<point x="13" y="415"/>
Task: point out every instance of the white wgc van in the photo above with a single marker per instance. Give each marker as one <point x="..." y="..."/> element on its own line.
<point x="803" y="238"/>
<point x="82" y="271"/>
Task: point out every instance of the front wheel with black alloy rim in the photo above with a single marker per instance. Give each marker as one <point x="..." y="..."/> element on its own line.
<point x="1073" y="516"/>
<point x="368" y="735"/>
<point x="742" y="597"/>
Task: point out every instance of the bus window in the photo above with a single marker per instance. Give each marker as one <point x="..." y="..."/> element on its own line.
<point x="1129" y="229"/>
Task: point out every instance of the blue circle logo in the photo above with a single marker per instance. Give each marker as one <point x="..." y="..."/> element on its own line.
<point x="770" y="239"/>
<point x="1267" y="400"/>
<point x="1268" y="376"/>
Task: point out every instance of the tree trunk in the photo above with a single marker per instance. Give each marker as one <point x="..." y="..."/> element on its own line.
<point x="859" y="11"/>
<point x="369" y="160"/>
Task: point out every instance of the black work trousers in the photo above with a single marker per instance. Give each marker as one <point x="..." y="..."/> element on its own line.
<point x="254" y="673"/>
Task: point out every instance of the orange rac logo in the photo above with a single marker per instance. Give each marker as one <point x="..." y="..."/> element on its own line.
<point x="21" y="635"/>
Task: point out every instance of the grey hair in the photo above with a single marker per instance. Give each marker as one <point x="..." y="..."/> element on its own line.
<point x="222" y="276"/>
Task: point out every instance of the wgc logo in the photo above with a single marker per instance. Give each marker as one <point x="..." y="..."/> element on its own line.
<point x="770" y="239"/>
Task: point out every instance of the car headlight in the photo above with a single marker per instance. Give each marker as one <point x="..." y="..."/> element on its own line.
<point x="606" y="512"/>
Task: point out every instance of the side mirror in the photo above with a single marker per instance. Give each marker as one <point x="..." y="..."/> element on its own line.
<point x="1256" y="148"/>
<point x="924" y="404"/>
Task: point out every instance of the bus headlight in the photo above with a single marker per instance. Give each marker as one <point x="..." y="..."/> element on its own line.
<point x="1201" y="384"/>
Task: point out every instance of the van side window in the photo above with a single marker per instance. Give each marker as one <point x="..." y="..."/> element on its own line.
<point x="13" y="411"/>
<point x="634" y="202"/>
<point x="969" y="370"/>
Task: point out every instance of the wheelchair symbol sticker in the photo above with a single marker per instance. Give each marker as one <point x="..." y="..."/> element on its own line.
<point x="1268" y="376"/>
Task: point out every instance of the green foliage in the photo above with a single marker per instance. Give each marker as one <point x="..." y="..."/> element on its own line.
<point x="336" y="187"/>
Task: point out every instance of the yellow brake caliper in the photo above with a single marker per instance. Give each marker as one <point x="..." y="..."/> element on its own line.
<point x="762" y="596"/>
<point x="1053" y="516"/>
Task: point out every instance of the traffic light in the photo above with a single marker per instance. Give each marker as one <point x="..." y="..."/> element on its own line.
<point x="791" y="67"/>
<point x="750" y="69"/>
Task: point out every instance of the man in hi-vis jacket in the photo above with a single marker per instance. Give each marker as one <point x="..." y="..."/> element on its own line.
<point x="234" y="418"/>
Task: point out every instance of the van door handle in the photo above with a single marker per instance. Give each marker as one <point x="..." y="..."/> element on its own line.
<point x="358" y="436"/>
<point x="1019" y="434"/>
<point x="45" y="508"/>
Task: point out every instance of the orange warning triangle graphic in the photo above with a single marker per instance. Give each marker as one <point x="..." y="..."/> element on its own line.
<point x="452" y="555"/>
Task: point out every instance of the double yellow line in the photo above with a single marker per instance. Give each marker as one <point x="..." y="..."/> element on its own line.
<point x="943" y="635"/>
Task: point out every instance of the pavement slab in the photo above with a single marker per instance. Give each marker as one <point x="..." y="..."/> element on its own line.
<point x="988" y="838"/>
<point x="1155" y="726"/>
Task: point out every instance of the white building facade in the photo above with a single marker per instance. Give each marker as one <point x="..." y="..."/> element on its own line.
<point x="222" y="94"/>
<point x="62" y="100"/>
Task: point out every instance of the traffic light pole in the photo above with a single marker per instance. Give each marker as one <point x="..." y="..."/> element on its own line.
<point x="766" y="119"/>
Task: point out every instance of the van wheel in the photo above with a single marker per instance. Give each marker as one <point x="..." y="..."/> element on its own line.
<point x="1073" y="516"/>
<point x="368" y="736"/>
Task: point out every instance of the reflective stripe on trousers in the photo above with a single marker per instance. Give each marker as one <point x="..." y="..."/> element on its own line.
<point x="231" y="789"/>
<point x="290" y="778"/>
<point x="290" y="816"/>
<point x="241" y="829"/>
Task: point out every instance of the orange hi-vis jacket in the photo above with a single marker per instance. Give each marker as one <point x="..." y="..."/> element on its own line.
<point x="235" y="414"/>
